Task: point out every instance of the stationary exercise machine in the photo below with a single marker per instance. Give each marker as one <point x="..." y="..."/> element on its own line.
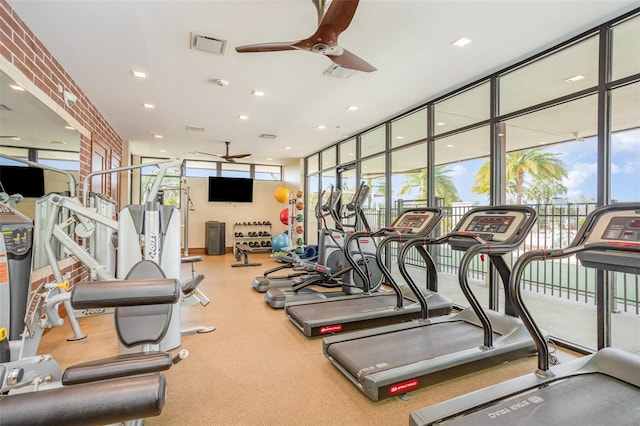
<point x="15" y="280"/>
<point x="348" y="313"/>
<point x="120" y="388"/>
<point x="391" y="360"/>
<point x="337" y="273"/>
<point x="329" y="253"/>
<point x="602" y="388"/>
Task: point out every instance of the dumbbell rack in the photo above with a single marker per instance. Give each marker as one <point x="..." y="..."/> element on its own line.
<point x="252" y="236"/>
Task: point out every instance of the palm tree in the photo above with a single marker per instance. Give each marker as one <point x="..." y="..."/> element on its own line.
<point x="539" y="165"/>
<point x="444" y="185"/>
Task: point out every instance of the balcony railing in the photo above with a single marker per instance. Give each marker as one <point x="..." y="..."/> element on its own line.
<point x="556" y="227"/>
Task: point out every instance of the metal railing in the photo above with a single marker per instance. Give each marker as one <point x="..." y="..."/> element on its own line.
<point x="556" y="227"/>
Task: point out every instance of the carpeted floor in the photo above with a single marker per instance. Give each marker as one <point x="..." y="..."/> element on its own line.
<point x="256" y="367"/>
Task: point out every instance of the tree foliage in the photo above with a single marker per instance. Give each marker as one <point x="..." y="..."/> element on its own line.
<point x="532" y="175"/>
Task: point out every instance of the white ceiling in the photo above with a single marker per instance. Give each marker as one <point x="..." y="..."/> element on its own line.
<point x="99" y="43"/>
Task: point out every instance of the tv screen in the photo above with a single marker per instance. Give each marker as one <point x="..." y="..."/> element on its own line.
<point x="238" y="190"/>
<point x="26" y="181"/>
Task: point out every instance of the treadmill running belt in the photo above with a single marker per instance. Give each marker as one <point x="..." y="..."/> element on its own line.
<point x="588" y="399"/>
<point x="386" y="351"/>
<point x="338" y="308"/>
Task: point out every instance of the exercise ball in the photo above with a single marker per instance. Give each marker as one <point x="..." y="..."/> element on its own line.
<point x="284" y="216"/>
<point x="299" y="250"/>
<point x="299" y="242"/>
<point x="299" y="194"/>
<point x="299" y="218"/>
<point x="299" y="205"/>
<point x="279" y="241"/>
<point x="282" y="194"/>
<point x="299" y="230"/>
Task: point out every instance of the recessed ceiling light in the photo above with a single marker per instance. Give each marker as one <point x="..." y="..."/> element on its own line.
<point x="138" y="74"/>
<point x="440" y="123"/>
<point x="149" y="106"/>
<point x="573" y="79"/>
<point x="287" y="147"/>
<point x="243" y="117"/>
<point x="15" y="138"/>
<point x="163" y="150"/>
<point x="449" y="146"/>
<point x="257" y="93"/>
<point x="399" y="137"/>
<point x="351" y="154"/>
<point x="461" y="42"/>
<point x="352" y="108"/>
<point x="16" y="87"/>
<point x="157" y="136"/>
<point x="69" y="127"/>
<point x="320" y="127"/>
<point x="269" y="159"/>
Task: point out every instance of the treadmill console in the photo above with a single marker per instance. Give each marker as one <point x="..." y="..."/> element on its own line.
<point x="490" y="225"/>
<point x="618" y="228"/>
<point x="414" y="222"/>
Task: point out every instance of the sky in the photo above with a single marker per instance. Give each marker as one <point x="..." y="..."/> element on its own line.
<point x="580" y="160"/>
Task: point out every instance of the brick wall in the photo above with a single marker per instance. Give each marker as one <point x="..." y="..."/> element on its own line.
<point x="20" y="46"/>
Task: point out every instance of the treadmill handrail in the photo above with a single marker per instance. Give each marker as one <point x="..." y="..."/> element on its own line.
<point x="392" y="235"/>
<point x="493" y="249"/>
<point x="514" y="288"/>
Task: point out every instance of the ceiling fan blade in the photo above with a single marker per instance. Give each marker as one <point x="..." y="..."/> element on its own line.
<point x="351" y="61"/>
<point x="206" y="153"/>
<point x="266" y="47"/>
<point x="237" y="156"/>
<point x="339" y="15"/>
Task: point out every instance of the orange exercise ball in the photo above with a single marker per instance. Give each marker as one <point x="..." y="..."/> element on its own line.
<point x="299" y="205"/>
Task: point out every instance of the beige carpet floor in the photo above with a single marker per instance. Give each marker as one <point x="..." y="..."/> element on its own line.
<point x="256" y="367"/>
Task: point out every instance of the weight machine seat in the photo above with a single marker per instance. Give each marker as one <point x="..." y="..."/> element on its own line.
<point x="98" y="403"/>
<point x="189" y="286"/>
<point x="117" y="366"/>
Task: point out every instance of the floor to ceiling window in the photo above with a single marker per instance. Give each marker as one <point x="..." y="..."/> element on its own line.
<point x="559" y="132"/>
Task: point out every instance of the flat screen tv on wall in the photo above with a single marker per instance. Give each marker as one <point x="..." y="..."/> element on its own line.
<point x="227" y="189"/>
<point x="26" y="181"/>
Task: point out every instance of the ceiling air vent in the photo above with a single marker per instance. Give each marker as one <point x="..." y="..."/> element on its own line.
<point x="339" y="72"/>
<point x="207" y="43"/>
<point x="267" y="136"/>
<point x="194" y="129"/>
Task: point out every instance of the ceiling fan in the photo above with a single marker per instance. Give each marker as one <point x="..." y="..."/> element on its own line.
<point x="226" y="157"/>
<point x="332" y="21"/>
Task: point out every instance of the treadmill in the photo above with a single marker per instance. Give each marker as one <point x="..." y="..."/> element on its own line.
<point x="598" y="389"/>
<point x="328" y="239"/>
<point x="348" y="313"/>
<point x="391" y="360"/>
<point x="337" y="273"/>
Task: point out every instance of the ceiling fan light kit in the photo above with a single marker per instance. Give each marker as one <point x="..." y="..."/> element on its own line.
<point x="324" y="41"/>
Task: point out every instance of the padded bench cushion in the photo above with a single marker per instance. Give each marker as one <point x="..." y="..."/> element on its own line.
<point x="117" y="366"/>
<point x="119" y="293"/>
<point x="99" y="403"/>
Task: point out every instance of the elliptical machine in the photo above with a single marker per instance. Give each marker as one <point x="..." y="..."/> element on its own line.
<point x="329" y="252"/>
<point x="336" y="272"/>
